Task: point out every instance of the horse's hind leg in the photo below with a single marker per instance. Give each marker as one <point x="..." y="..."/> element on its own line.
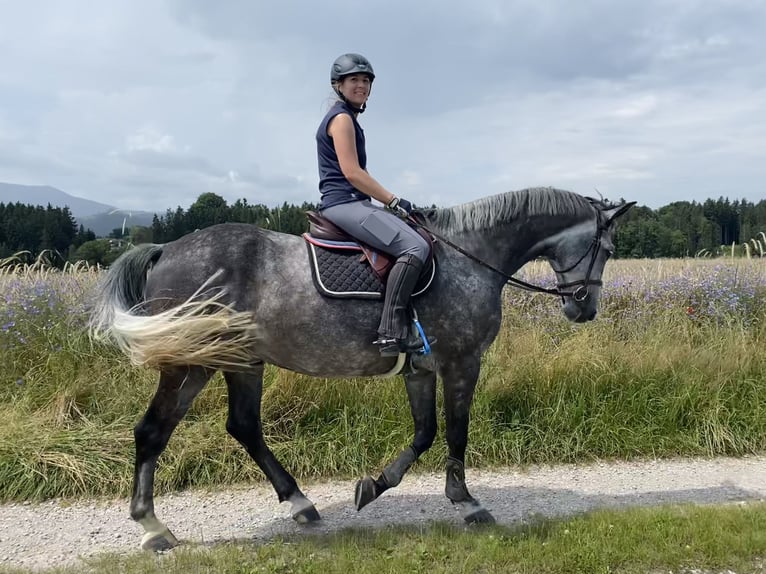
<point x="244" y="424"/>
<point x="175" y="394"/>
<point x="421" y="391"/>
<point x="459" y="384"/>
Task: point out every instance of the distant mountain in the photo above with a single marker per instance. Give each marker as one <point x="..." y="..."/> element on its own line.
<point x="45" y="194"/>
<point x="102" y="224"/>
<point x="98" y="217"/>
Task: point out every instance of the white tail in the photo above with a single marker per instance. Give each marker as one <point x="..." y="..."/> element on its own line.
<point x="201" y="331"/>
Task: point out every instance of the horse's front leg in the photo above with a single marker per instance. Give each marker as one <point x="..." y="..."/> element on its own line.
<point x="175" y="393"/>
<point x="244" y="424"/>
<point x="421" y="391"/>
<point x="459" y="384"/>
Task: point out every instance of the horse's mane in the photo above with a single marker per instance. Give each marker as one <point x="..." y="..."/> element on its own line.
<point x="497" y="209"/>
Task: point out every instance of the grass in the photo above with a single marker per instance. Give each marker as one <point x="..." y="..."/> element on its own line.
<point x="656" y="540"/>
<point x="674" y="366"/>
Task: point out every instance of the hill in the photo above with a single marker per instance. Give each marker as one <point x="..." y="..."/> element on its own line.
<point x="101" y="218"/>
<point x="102" y="224"/>
<point x="45" y="194"/>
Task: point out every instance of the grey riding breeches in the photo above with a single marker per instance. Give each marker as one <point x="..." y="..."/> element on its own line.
<point x="378" y="228"/>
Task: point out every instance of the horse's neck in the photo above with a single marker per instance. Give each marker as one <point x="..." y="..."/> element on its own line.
<point x="510" y="245"/>
<point x="502" y="247"/>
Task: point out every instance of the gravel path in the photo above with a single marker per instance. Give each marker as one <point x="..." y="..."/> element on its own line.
<point x="56" y="533"/>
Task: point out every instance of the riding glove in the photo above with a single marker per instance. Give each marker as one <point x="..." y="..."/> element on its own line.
<point x="401" y="207"/>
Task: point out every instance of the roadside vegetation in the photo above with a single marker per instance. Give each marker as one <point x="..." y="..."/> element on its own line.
<point x="673" y="366"/>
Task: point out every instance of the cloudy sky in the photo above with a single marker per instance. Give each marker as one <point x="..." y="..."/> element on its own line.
<point x="145" y="104"/>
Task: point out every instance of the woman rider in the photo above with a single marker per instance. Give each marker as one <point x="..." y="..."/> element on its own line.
<point x="347" y="190"/>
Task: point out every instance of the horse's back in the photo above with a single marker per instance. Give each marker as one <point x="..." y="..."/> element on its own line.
<point x="234" y="253"/>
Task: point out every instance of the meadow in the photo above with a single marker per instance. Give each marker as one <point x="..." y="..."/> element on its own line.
<point x="674" y="365"/>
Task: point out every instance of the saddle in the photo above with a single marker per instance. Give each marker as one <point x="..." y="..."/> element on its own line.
<point x="343" y="267"/>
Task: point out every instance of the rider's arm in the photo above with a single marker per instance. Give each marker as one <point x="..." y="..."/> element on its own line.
<point x="341" y="129"/>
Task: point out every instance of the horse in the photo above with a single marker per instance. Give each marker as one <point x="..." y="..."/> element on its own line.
<point x="234" y="297"/>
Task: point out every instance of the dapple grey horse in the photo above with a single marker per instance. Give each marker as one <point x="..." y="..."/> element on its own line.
<point x="234" y="297"/>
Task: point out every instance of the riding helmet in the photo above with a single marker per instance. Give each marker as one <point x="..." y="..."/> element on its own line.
<point x="348" y="64"/>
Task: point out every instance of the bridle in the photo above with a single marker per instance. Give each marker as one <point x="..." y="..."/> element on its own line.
<point x="579" y="294"/>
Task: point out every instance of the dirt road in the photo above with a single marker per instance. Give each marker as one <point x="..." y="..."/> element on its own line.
<point x="56" y="533"/>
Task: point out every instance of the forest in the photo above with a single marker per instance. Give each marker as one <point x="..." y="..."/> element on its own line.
<point x="710" y="228"/>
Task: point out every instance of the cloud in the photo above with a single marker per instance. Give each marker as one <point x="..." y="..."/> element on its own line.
<point x="148" y="104"/>
<point x="149" y="139"/>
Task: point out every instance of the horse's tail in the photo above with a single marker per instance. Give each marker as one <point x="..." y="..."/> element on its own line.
<point x="122" y="288"/>
<point x="201" y="331"/>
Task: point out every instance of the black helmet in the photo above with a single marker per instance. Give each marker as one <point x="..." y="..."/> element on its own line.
<point x="348" y="64"/>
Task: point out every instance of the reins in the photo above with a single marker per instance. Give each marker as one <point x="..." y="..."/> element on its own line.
<point x="578" y="294"/>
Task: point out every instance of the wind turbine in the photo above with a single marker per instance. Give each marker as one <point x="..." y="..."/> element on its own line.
<point x="124" y="219"/>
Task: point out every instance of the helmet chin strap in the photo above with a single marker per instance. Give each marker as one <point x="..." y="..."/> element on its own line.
<point x="352" y="106"/>
<point x="349" y="104"/>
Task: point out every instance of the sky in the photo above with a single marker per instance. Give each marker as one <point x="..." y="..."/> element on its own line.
<point x="146" y="104"/>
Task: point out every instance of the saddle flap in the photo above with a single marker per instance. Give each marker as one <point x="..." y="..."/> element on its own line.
<point x="380" y="262"/>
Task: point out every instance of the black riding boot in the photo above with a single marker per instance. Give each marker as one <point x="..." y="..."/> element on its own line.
<point x="394" y="330"/>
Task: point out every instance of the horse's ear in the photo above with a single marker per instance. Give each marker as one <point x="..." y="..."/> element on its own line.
<point x="615" y="212"/>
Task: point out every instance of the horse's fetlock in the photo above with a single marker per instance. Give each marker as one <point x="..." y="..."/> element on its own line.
<point x="458" y="493"/>
<point x="395" y="471"/>
<point x="138" y="512"/>
<point x="456" y="489"/>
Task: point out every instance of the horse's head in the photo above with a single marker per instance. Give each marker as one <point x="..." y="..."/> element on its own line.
<point x="578" y="255"/>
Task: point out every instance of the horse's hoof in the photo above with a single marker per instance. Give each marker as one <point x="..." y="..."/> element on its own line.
<point x="307" y="515"/>
<point x="159" y="542"/>
<point x="303" y="510"/>
<point x="365" y="492"/>
<point x="480" y="517"/>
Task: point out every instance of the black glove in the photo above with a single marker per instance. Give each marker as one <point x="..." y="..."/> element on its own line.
<point x="401" y="207"/>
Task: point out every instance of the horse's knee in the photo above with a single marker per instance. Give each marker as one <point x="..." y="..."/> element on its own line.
<point x="243" y="431"/>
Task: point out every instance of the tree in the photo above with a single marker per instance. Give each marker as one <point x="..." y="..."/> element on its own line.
<point x="159" y="229"/>
<point x="141" y="234"/>
<point x="208" y="210"/>
<point x="94" y="252"/>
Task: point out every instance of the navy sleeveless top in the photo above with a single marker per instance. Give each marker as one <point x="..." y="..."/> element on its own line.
<point x="333" y="185"/>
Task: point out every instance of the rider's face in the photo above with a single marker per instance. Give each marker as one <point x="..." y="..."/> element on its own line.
<point x="355" y="88"/>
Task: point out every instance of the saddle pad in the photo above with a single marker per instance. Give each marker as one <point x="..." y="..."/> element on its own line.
<point x="344" y="273"/>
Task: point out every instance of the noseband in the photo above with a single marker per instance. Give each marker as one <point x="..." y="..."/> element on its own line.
<point x="579" y="294"/>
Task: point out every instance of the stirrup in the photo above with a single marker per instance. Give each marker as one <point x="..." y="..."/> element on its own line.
<point x="390" y="347"/>
<point x="416" y="342"/>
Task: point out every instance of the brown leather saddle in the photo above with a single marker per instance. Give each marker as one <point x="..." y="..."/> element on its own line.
<point x="325" y="233"/>
<point x="343" y="268"/>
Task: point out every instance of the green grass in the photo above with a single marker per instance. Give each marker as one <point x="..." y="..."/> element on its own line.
<point x="669" y="539"/>
<point x="658" y="384"/>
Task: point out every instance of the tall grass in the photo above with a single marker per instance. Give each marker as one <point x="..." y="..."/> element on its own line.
<point x="674" y="365"/>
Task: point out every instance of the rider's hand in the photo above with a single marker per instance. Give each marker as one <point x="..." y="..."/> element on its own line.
<point x="401" y="207"/>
